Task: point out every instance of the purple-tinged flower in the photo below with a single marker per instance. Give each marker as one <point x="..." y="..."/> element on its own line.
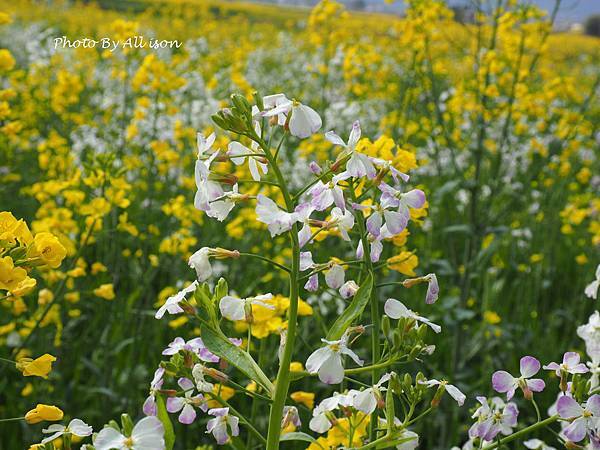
<point x="277" y="220"/>
<point x="359" y="165"/>
<point x="327" y="361"/>
<point x="388" y="165"/>
<point x="195" y="346"/>
<point x="187" y="403"/>
<point x="570" y="364"/>
<point x="393" y="198"/>
<point x="290" y="417"/>
<point x="433" y="289"/>
<point x="493" y="417"/>
<point x="221" y="424"/>
<point x="315" y="168"/>
<point x="503" y="381"/>
<point x="396" y="309"/>
<point x="172" y="304"/>
<point x="395" y="222"/>
<point x="149" y="407"/>
<point x="444" y="386"/>
<point x="323" y="195"/>
<point x="583" y="418"/>
<point x="348" y="289"/>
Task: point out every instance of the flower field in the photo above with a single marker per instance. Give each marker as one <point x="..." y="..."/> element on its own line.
<point x="258" y="227"/>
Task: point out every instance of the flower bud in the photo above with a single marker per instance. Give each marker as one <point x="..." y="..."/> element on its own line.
<point x="126" y="424"/>
<point x="385" y="325"/>
<point x="437" y="398"/>
<point x="242" y="104"/>
<point x="258" y="100"/>
<point x="216" y="374"/>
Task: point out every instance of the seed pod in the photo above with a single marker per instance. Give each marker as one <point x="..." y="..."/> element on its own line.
<point x="385" y="326"/>
<point x="126" y="424"/>
<point x="258" y="100"/>
<point x="396" y="339"/>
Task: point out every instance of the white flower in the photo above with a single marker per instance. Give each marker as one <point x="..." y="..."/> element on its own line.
<point x="220" y="209"/>
<point x="234" y="308"/>
<point x="172" y="304"/>
<point x="343" y="220"/>
<point x="201" y="384"/>
<point x="359" y="164"/>
<point x="334" y="277"/>
<point x="320" y="422"/>
<point x="590" y="333"/>
<point x="277" y="220"/>
<point x="199" y="261"/>
<point x="147" y="434"/>
<point x="208" y="190"/>
<point x="454" y="392"/>
<point x="76" y="427"/>
<point x="304" y="120"/>
<point x="204" y="144"/>
<point x="366" y="401"/>
<point x="536" y="444"/>
<point x="256" y="163"/>
<point x="591" y="290"/>
<point x="218" y="426"/>
<point x="395" y="309"/>
<point x="327" y="361"/>
<point x="302" y="213"/>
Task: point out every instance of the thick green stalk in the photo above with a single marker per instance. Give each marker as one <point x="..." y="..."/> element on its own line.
<point x="283" y="375"/>
<point x="375" y="353"/>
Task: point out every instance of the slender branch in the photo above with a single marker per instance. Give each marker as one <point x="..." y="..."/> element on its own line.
<point x="270" y="261"/>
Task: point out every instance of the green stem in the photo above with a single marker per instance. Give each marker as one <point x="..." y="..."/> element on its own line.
<point x="523" y="432"/>
<point x="283" y="374"/>
<point x="265" y="259"/>
<point x="12" y="419"/>
<point x="375" y="319"/>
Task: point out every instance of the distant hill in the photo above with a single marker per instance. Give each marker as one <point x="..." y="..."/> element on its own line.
<point x="571" y="11"/>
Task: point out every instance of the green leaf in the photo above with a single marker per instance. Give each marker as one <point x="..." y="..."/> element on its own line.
<point x="297" y="436"/>
<point x="163" y="416"/>
<point x="222" y="347"/>
<point x="354" y="310"/>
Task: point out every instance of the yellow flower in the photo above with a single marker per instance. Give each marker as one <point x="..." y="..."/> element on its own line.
<point x="43" y="412"/>
<point x="296" y="366"/>
<point x="39" y="367"/>
<point x="105" y="291"/>
<point x="404" y="262"/>
<point x="24" y="287"/>
<point x="10" y="276"/>
<point x="7" y="62"/>
<point x="225" y="392"/>
<point x="306" y="398"/>
<point x="49" y="249"/>
<point x="581" y="259"/>
<point x="491" y="317"/>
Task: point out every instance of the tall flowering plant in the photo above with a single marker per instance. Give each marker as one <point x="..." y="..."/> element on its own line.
<point x="360" y="200"/>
